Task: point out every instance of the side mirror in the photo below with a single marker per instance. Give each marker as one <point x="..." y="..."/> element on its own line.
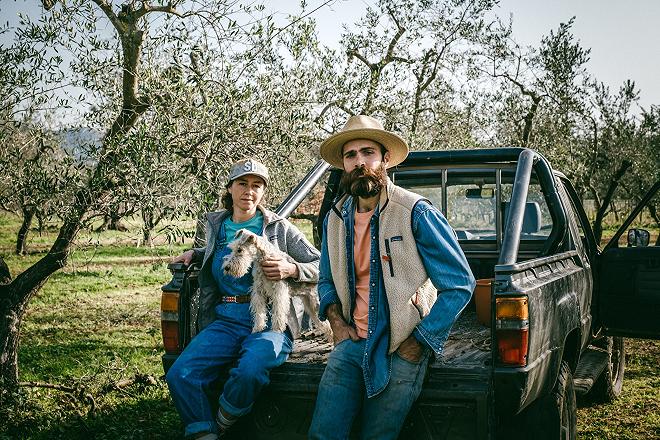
<point x="638" y="238"/>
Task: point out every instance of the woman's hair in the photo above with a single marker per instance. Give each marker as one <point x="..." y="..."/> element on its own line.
<point x="227" y="201"/>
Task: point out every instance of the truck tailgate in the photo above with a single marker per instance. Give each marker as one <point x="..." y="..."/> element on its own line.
<point x="452" y="405"/>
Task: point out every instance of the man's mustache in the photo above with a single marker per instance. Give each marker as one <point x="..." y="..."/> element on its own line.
<point x="363" y="181"/>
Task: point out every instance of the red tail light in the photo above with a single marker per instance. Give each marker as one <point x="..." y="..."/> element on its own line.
<point x="169" y="322"/>
<point x="512" y="330"/>
<point x="512" y="346"/>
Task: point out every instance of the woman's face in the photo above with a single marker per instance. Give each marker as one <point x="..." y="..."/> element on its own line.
<point x="247" y="192"/>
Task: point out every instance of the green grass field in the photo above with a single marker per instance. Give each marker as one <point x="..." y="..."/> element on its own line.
<point x="94" y="328"/>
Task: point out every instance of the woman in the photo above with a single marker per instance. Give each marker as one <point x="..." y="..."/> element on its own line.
<point x="224" y="309"/>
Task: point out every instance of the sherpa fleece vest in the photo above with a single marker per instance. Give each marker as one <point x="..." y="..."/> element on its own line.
<point x="404" y="275"/>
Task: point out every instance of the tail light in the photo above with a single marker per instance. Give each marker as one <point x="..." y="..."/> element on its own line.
<point x="169" y="322"/>
<point x="512" y="330"/>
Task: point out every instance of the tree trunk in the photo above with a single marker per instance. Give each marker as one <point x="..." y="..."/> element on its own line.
<point x="605" y="203"/>
<point x="21" y="238"/>
<point x="15" y="295"/>
<point x="112" y="222"/>
<point x="148" y="226"/>
<point x="9" y="331"/>
<point x="529" y="120"/>
<point x="116" y="224"/>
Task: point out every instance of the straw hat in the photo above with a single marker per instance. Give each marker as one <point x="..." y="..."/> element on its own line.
<point x="363" y="127"/>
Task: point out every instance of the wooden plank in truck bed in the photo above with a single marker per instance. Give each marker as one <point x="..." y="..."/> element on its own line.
<point x="468" y="345"/>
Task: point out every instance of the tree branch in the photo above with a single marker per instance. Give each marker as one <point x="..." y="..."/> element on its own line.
<point x="146" y="8"/>
<point x="107" y="10"/>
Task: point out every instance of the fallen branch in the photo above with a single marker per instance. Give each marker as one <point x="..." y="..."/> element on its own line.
<point x="78" y="392"/>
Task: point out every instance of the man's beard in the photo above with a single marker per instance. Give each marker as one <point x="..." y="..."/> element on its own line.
<point x="364" y="182"/>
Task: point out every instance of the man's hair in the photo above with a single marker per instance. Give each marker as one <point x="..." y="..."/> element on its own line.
<point x="383" y="150"/>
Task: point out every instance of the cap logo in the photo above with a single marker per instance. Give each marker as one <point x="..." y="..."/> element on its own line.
<point x="248" y="166"/>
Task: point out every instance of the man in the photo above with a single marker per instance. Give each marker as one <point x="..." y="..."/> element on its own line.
<point x="386" y="252"/>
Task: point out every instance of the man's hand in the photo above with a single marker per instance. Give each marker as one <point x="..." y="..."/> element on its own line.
<point x="277" y="268"/>
<point x="340" y="328"/>
<point x="185" y="258"/>
<point x="411" y="350"/>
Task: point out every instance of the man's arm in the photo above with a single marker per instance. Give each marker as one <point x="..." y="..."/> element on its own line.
<point x="449" y="271"/>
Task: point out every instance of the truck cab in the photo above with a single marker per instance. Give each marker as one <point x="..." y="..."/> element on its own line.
<point x="549" y="325"/>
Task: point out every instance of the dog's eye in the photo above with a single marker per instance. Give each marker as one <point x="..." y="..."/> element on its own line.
<point x="239" y="251"/>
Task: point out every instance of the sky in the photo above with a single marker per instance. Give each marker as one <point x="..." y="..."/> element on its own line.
<point x="624" y="36"/>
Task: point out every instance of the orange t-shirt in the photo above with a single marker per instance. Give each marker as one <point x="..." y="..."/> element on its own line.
<point x="361" y="253"/>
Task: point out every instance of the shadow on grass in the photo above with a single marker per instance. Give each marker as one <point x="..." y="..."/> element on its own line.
<point x="83" y="357"/>
<point x="144" y="418"/>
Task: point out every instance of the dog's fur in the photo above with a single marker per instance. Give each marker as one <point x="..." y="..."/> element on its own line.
<point x="248" y="250"/>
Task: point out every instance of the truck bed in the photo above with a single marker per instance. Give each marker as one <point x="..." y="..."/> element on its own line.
<point x="468" y="346"/>
<point x="452" y="405"/>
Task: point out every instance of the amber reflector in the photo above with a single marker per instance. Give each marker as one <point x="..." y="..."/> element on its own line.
<point x="169" y="302"/>
<point x="512" y="308"/>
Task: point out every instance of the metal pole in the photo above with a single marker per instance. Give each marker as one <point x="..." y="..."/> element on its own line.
<point x="516" y="212"/>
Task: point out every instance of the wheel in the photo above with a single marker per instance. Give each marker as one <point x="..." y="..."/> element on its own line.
<point x="552" y="417"/>
<point x="609" y="384"/>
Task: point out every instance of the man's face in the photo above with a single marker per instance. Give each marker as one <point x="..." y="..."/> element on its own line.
<point x="247" y="192"/>
<point x="364" y="168"/>
<point x="363" y="152"/>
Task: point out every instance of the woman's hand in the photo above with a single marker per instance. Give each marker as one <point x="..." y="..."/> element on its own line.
<point x="185" y="258"/>
<point x="277" y="268"/>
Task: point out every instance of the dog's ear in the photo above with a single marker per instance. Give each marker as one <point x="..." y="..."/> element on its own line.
<point x="239" y="233"/>
<point x="251" y="238"/>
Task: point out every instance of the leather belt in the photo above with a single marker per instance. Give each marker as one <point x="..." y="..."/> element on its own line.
<point x="240" y="299"/>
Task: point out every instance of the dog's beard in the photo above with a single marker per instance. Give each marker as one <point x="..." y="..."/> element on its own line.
<point x="364" y="182"/>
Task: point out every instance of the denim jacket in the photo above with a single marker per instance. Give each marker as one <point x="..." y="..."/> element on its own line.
<point x="445" y="264"/>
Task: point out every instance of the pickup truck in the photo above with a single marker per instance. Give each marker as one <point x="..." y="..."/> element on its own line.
<point x="550" y="325"/>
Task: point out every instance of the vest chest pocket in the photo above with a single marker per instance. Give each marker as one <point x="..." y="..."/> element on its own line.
<point x="393" y="245"/>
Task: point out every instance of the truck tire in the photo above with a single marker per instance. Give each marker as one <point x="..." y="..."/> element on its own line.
<point x="554" y="416"/>
<point x="609" y="384"/>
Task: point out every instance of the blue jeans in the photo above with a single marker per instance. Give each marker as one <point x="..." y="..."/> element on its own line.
<point x="342" y="396"/>
<point x="228" y="339"/>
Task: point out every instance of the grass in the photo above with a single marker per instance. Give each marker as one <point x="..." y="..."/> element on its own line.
<point x="95" y="329"/>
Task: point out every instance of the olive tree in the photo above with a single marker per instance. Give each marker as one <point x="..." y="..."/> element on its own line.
<point x="401" y="62"/>
<point x="109" y="68"/>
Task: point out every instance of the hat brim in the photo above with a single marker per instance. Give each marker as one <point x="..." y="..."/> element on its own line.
<point x="250" y="173"/>
<point x="331" y="148"/>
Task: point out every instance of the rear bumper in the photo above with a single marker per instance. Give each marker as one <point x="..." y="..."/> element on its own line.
<point x="516" y="388"/>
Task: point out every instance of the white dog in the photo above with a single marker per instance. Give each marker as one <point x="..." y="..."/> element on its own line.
<point x="249" y="250"/>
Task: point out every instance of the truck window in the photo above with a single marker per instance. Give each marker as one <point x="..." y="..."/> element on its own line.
<point x="537" y="222"/>
<point x="471" y="205"/>
<point x="644" y="221"/>
<point x="471" y="210"/>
